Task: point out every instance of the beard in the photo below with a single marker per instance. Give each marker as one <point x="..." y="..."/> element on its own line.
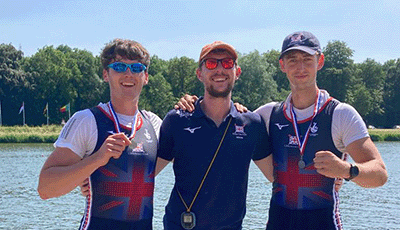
<point x="219" y="94"/>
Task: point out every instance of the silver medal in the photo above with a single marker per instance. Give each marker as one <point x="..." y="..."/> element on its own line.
<point x="133" y="145"/>
<point x="302" y="164"/>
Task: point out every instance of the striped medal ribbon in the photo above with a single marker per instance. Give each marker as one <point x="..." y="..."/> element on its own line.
<point x="302" y="143"/>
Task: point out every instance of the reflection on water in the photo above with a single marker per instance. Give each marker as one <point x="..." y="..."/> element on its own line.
<point x="21" y="207"/>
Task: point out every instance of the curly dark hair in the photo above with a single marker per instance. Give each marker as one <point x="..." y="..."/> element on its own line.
<point x="128" y="49"/>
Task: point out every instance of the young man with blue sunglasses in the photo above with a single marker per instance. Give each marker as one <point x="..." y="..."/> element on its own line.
<point x="113" y="145"/>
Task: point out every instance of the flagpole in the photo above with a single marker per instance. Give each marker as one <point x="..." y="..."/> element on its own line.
<point x="69" y="110"/>
<point x="1" y="120"/>
<point x="23" y="114"/>
<point x="47" y="113"/>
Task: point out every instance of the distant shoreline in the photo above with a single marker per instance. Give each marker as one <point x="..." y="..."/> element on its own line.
<point x="49" y="134"/>
<point x="29" y="134"/>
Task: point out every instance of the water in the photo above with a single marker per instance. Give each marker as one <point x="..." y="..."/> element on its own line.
<point x="21" y="207"/>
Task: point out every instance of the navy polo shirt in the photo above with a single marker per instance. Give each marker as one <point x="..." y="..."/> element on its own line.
<point x="191" y="139"/>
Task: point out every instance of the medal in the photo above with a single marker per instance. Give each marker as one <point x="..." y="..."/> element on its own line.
<point x="302" y="164"/>
<point x="136" y="124"/>
<point x="302" y="143"/>
<point x="188" y="220"/>
<point x="133" y="145"/>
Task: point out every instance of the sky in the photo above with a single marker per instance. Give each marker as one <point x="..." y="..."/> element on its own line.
<point x="179" y="28"/>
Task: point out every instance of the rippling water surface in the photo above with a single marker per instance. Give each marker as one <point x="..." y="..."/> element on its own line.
<point x="21" y="207"/>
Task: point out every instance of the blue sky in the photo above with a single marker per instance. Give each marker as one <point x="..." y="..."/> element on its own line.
<point x="180" y="28"/>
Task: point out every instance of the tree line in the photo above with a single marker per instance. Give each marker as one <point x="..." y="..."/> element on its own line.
<point x="62" y="75"/>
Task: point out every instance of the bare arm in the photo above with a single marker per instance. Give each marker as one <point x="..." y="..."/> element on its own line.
<point x="372" y="170"/>
<point x="64" y="170"/>
<point x="369" y="161"/>
<point x="266" y="167"/>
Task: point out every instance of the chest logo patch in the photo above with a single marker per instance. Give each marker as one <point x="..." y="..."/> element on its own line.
<point x="138" y="150"/>
<point x="281" y="126"/>
<point x="239" y="131"/>
<point x="293" y="141"/>
<point x="314" y="128"/>
<point x="191" y="130"/>
<point x="147" y="134"/>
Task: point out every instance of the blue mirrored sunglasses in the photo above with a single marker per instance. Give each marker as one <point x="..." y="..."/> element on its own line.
<point x="121" y="67"/>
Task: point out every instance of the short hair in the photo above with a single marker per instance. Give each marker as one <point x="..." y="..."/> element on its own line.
<point x="128" y="49"/>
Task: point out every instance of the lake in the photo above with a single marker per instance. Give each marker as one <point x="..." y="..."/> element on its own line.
<point x="21" y="207"/>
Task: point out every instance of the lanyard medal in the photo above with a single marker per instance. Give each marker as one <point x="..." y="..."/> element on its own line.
<point x="302" y="143"/>
<point x="188" y="218"/>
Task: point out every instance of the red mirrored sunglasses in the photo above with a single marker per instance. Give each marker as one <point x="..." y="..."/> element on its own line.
<point x="212" y="63"/>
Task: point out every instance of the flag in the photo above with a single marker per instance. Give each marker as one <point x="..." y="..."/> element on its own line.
<point x="46" y="108"/>
<point x="22" y="108"/>
<point x="64" y="108"/>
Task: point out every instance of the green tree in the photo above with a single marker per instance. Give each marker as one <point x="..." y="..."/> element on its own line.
<point x="371" y="79"/>
<point x="157" y="96"/>
<point x="336" y="75"/>
<point x="15" y="84"/>
<point x="88" y="85"/>
<point x="52" y="80"/>
<point x="255" y="86"/>
<point x="392" y="92"/>
<point x="181" y="75"/>
<point x="273" y="66"/>
<point x="157" y="65"/>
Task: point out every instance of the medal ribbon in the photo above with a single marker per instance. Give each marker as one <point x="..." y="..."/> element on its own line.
<point x="302" y="144"/>
<point x="135" y="123"/>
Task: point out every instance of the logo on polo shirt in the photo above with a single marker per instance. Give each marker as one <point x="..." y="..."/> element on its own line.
<point x="281" y="126"/>
<point x="239" y="131"/>
<point x="191" y="130"/>
<point x="182" y="113"/>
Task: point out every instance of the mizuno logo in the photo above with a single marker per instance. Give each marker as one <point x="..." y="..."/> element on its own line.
<point x="281" y="126"/>
<point x="191" y="130"/>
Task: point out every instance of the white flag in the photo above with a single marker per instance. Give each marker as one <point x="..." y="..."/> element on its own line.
<point x="22" y="108"/>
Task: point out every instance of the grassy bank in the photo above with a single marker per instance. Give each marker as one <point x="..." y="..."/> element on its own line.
<point x="384" y="134"/>
<point x="27" y="134"/>
<point x="49" y="134"/>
